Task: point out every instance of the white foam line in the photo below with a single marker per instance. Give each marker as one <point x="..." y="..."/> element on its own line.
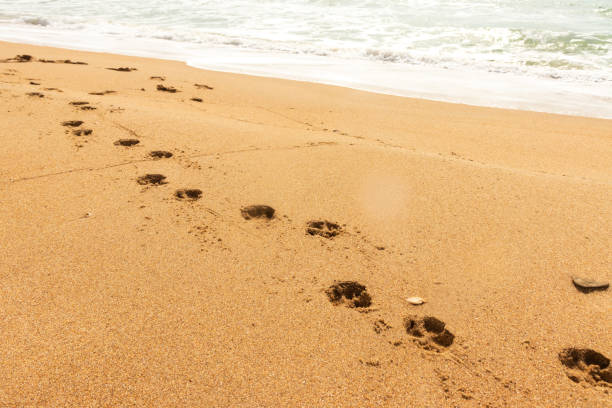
<point x="510" y="91"/>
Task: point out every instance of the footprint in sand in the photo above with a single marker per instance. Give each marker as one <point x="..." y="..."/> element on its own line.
<point x="72" y="123"/>
<point x="429" y="332"/>
<point x="123" y="69"/>
<point x="82" y="132"/>
<point x="326" y="229"/>
<point x="197" y="99"/>
<point x="160" y="154"/>
<point x="170" y="89"/>
<point x="88" y="108"/>
<point x="18" y="58"/>
<point x="203" y="86"/>
<point x="102" y="93"/>
<point x="126" y="142"/>
<point x="79" y="103"/>
<point x="37" y="94"/>
<point x="586" y="365"/>
<point x="350" y="293"/>
<point x="257" y="211"/>
<point x="191" y="194"/>
<point x="158" y="78"/>
<point x="152" y="179"/>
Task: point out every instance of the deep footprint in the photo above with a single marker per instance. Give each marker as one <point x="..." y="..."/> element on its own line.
<point x="326" y="229"/>
<point x="429" y="332"/>
<point x="160" y="154"/>
<point x="352" y="294"/>
<point x="257" y="211"/>
<point x="127" y="142"/>
<point x="586" y="365"/>
<point x="72" y="123"/>
<point x="152" y="179"/>
<point x="188" y="194"/>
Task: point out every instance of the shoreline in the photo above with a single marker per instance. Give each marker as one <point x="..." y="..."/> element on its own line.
<point x="464" y="86"/>
<point x="180" y="237"/>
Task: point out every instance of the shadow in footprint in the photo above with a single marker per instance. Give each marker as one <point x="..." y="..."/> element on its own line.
<point x="429" y="332"/>
<point x="152" y="179"/>
<point x="38" y="94"/>
<point x="127" y="142"/>
<point x="326" y="229"/>
<point x="191" y="194"/>
<point x="79" y="103"/>
<point x="257" y="211"/>
<point x="586" y="365"/>
<point x="160" y="154"/>
<point x="350" y="293"/>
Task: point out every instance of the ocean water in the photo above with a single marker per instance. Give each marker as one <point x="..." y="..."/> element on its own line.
<point x="547" y="55"/>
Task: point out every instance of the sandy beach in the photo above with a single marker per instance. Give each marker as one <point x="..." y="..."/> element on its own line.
<point x="134" y="273"/>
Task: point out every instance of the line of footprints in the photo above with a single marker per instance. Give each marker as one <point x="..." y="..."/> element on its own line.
<point x="428" y="332"/>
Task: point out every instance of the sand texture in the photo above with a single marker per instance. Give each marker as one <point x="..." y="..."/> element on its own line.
<point x="172" y="237"/>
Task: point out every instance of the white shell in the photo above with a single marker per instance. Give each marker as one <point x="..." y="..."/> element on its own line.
<point x="415" y="300"/>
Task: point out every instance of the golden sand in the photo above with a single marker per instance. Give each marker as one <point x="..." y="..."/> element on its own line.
<point x="122" y="289"/>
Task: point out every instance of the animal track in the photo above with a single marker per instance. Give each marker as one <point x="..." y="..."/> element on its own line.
<point x="82" y="132"/>
<point x="381" y="326"/>
<point x="19" y="58"/>
<point x="586" y="365"/>
<point x="160" y="154"/>
<point x="326" y="229"/>
<point x="188" y="194"/>
<point x="123" y="69"/>
<point x="257" y="211"/>
<point x="127" y="142"/>
<point x="170" y="89"/>
<point x="430" y="332"/>
<point x="353" y="294"/>
<point x="102" y="93"/>
<point x="72" y="123"/>
<point x="153" y="179"/>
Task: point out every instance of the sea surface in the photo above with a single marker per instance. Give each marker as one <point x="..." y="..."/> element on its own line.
<point x="544" y="55"/>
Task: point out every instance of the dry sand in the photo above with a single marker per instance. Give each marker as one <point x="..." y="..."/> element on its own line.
<point x="117" y="293"/>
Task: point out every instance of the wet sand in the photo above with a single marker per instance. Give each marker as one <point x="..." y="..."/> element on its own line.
<point x="132" y="278"/>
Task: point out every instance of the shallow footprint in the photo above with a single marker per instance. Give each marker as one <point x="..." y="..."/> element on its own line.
<point x="127" y="142"/>
<point x="326" y="229"/>
<point x="586" y="365"/>
<point x="191" y="194"/>
<point x="429" y="332"/>
<point x="350" y="293"/>
<point x="257" y="211"/>
<point x="152" y="179"/>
